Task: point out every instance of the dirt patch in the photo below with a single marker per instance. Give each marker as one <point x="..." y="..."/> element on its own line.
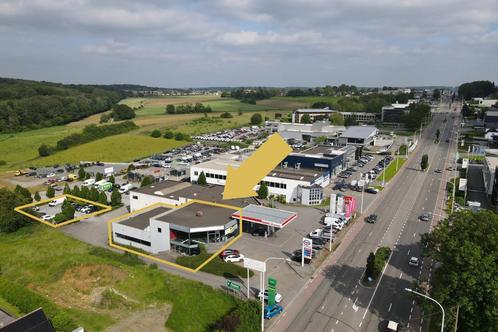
<point x="81" y="286"/>
<point x="147" y="320"/>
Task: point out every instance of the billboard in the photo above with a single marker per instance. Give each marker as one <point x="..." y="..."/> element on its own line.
<point x="108" y="170"/>
<point x="307" y="248"/>
<point x="340" y="204"/>
<point x="333" y="198"/>
<point x="462" y="185"/>
<point x="254" y="264"/>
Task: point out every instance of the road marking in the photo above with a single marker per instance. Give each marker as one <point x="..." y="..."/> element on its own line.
<point x="355" y="307"/>
<point x="323" y="307"/>
<point x="332" y="330"/>
<point x="414" y="234"/>
<point x="342" y="312"/>
<point x="360" y="324"/>
<point x="408" y="252"/>
<point x="390" y="305"/>
<point x="336" y="322"/>
<point x="400" y="275"/>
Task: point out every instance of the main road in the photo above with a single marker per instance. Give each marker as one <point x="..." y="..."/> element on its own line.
<point x="337" y="300"/>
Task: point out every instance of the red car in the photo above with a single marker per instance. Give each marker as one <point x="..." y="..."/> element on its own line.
<point x="228" y="252"/>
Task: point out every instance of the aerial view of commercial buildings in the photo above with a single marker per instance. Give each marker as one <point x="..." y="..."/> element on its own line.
<point x="248" y="166"/>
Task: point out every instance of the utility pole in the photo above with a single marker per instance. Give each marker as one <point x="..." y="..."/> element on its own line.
<point x="454" y="175"/>
<point x="456" y="319"/>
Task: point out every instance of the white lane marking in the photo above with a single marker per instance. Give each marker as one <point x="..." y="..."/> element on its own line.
<point x="355" y="308"/>
<point x="390" y="305"/>
<point x="342" y="312"/>
<point x="332" y="330"/>
<point x="336" y="322"/>
<point x="377" y="286"/>
<point x="360" y="324"/>
<point x="408" y="252"/>
<point x="400" y="275"/>
<point x="323" y="307"/>
<point x="414" y="234"/>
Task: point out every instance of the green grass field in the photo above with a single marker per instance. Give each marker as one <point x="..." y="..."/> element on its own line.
<point x="133" y="102"/>
<point x="119" y="148"/>
<point x="391" y="170"/>
<point x="68" y="272"/>
<point x="307" y="100"/>
<point x="234" y="105"/>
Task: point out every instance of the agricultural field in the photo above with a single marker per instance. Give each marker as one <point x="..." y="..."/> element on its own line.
<point x="118" y="148"/>
<point x="99" y="289"/>
<point x="307" y="101"/>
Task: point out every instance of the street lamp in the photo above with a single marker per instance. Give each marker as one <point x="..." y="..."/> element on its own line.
<point x="429" y="298"/>
<point x="263" y="288"/>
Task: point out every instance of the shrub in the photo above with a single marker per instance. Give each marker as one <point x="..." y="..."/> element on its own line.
<point x="256" y="119"/>
<point x="37" y="196"/>
<point x="3" y="162"/>
<point x="44" y="150"/>
<point x="146" y="181"/>
<point x="169" y="134"/>
<point x="179" y="136"/>
<point x="226" y="115"/>
<point x="155" y="133"/>
<point x="50" y="192"/>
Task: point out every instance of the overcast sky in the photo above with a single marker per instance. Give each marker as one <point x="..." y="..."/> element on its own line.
<point x="186" y="43"/>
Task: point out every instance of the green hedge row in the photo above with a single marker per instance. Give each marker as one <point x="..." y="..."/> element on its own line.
<point x="27" y="300"/>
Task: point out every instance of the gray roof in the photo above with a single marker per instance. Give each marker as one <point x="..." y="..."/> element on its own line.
<point x="359" y="132"/>
<point x="198" y="215"/>
<point x="267" y="216"/>
<point x="142" y="220"/>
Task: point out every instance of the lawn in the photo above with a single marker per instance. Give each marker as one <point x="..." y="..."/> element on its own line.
<point x="234" y="105"/>
<point x="97" y="287"/>
<point x="307" y="100"/>
<point x="391" y="170"/>
<point x="119" y="148"/>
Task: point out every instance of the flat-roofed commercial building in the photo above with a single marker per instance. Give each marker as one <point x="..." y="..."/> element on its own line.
<point x="160" y="228"/>
<point x="362" y="117"/>
<point x="394" y="113"/>
<point x="306" y="132"/>
<point x="358" y="136"/>
<point x="283" y="180"/>
<point x="315" y="114"/>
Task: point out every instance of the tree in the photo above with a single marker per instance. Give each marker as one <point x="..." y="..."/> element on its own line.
<point x="437" y="134"/>
<point x="305" y="118"/>
<point x="436" y="94"/>
<point x="112" y="179"/>
<point x="10" y="220"/>
<point x="370" y="269"/>
<point x="115" y="197"/>
<point x="131" y="167"/>
<point x="263" y="190"/>
<point x="94" y="194"/>
<point x="169" y="134"/>
<point x="155" y="133"/>
<point x="85" y="192"/>
<point x="67" y="210"/>
<point x="256" y="119"/>
<point x="99" y="176"/>
<point x="466" y="110"/>
<point x="102" y="198"/>
<point x="122" y="112"/>
<point x="350" y="121"/>
<point x="50" y="192"/>
<point x="21" y="191"/>
<point x="179" y="136"/>
<point x="336" y="119"/>
<point x="424" y="163"/>
<point x="81" y="173"/>
<point x="170" y="109"/>
<point x="465" y="249"/>
<point x="37" y="196"/>
<point x="226" y="115"/>
<point x="76" y="191"/>
<point x="67" y="190"/>
<point x="44" y="150"/>
<point x="147" y="181"/>
<point x="202" y="179"/>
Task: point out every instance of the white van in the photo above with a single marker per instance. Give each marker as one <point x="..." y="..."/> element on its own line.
<point x="88" y="182"/>
<point x="57" y="201"/>
<point x="99" y="183"/>
<point x="124" y="188"/>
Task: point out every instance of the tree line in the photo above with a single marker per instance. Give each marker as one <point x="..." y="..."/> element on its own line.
<point x="90" y="133"/>
<point x="250" y="95"/>
<point x="188" y="108"/>
<point x="477" y="89"/>
<point x="28" y="105"/>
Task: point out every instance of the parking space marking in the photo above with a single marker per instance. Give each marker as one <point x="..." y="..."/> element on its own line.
<point x="390" y="305"/>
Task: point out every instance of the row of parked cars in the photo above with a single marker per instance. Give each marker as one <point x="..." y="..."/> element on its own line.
<point x="356" y="166"/>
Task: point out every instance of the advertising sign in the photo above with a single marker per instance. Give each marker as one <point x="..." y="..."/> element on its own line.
<point x="333" y="198"/>
<point x="465" y="163"/>
<point x="307" y="248"/>
<point x="254" y="264"/>
<point x="340" y="204"/>
<point x="272" y="290"/>
<point x="462" y="185"/>
<point x="108" y="170"/>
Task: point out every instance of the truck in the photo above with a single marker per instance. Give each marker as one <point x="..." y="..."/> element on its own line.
<point x="88" y="182"/>
<point x="57" y="201"/>
<point x="124" y="188"/>
<point x="106" y="185"/>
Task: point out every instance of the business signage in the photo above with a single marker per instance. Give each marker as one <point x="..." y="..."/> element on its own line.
<point x="272" y="290"/>
<point x="333" y="198"/>
<point x="233" y="285"/>
<point x="254" y="264"/>
<point x="231" y="229"/>
<point x="340" y="204"/>
<point x="307" y="248"/>
<point x="108" y="170"/>
<point x="462" y="185"/>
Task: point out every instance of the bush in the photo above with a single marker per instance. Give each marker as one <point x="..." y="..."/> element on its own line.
<point x="122" y="112"/>
<point x="37" y="196"/>
<point x="147" y="181"/>
<point x="226" y="115"/>
<point x="155" y="133"/>
<point x="179" y="136"/>
<point x="256" y="119"/>
<point x="376" y="262"/>
<point x="169" y="134"/>
<point x="50" y="192"/>
<point x="3" y="162"/>
<point x="44" y="150"/>
<point x="10" y="220"/>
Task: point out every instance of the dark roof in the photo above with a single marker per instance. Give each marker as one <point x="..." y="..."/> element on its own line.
<point x="141" y="221"/>
<point x="198" y="215"/>
<point x="174" y="190"/>
<point x="35" y="321"/>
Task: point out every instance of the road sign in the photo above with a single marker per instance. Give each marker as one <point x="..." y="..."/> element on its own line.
<point x="254" y="264"/>
<point x="233" y="285"/>
<point x="307" y="248"/>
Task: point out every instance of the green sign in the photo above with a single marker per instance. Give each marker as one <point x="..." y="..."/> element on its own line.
<point x="272" y="290"/>
<point x="232" y="285"/>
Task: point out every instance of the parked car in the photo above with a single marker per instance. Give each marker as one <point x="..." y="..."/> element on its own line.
<point x="371" y="190"/>
<point x="372" y="219"/>
<point x="278" y="297"/>
<point x="50" y="175"/>
<point x="234" y="258"/>
<point x="437" y="170"/>
<point x="228" y="252"/>
<point x="48" y="217"/>
<point x="260" y="232"/>
<point x="317" y="233"/>
<point x="414" y="261"/>
<point x="272" y="311"/>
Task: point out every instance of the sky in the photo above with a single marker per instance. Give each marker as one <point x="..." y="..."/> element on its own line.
<point x="188" y="43"/>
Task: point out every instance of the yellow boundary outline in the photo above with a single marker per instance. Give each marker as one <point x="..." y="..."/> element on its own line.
<point x="149" y="207"/>
<point x="20" y="209"/>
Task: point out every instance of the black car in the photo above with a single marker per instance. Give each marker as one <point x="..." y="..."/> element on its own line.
<point x="371" y="190"/>
<point x="372" y="219"/>
<point x="260" y="232"/>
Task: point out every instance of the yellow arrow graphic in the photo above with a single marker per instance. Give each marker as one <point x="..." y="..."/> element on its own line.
<point x="241" y="181"/>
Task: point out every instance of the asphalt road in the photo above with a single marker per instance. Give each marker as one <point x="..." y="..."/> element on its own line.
<point x="340" y="302"/>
